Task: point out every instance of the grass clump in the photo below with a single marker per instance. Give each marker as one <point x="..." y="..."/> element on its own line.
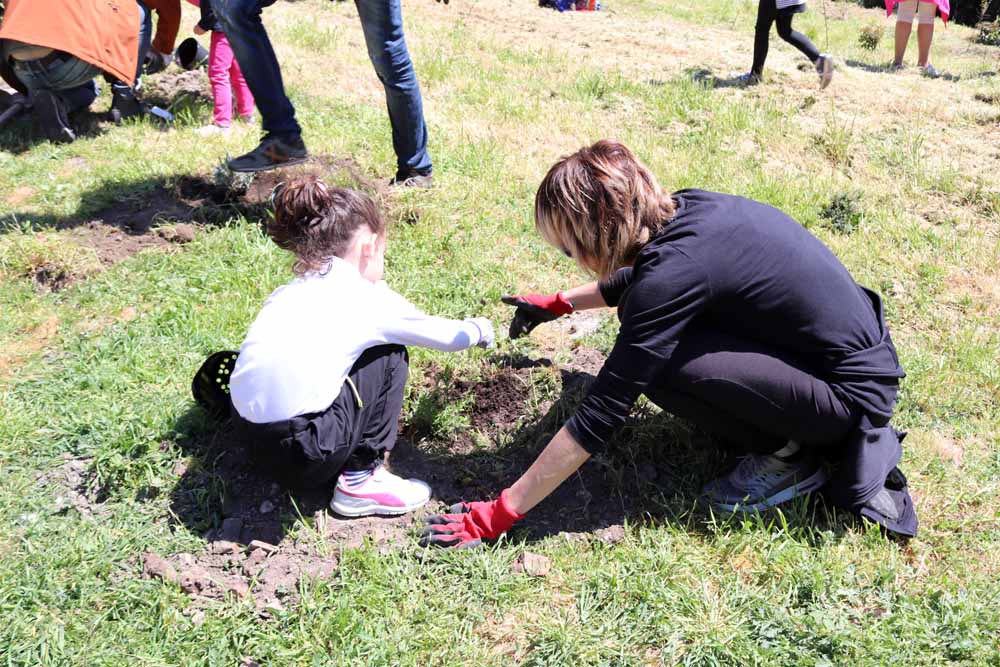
<point x="989" y="34"/>
<point x="869" y="36"/>
<point x="843" y="214"/>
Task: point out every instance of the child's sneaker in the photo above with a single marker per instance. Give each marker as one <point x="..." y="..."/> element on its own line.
<point x="380" y="492"/>
<point x="824" y="68"/>
<point x="762" y="481"/>
<point x="929" y="71"/>
<point x="748" y="79"/>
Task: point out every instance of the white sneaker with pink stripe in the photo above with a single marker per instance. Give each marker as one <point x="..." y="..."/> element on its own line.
<point x="381" y="492"/>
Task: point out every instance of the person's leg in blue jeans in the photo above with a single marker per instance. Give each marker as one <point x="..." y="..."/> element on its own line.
<point x="382" y="23"/>
<point x="58" y="89"/>
<point x="241" y="20"/>
<point x="123" y="101"/>
<point x="282" y="145"/>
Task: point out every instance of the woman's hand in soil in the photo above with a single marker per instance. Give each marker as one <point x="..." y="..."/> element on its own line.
<point x="467" y="524"/>
<point x="533" y="309"/>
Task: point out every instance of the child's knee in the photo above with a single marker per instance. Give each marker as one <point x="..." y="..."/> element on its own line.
<point x="926" y="11"/>
<point x="907" y="10"/>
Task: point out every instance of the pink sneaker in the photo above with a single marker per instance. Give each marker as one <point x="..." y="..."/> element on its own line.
<point x="380" y="493"/>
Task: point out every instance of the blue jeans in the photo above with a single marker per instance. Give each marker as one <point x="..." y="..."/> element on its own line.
<point x="71" y="79"/>
<point x="382" y="23"/>
<point x="145" y="37"/>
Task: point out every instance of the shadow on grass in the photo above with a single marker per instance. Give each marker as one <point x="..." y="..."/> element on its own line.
<point x="136" y="206"/>
<point x="653" y="472"/>
<point x="705" y="76"/>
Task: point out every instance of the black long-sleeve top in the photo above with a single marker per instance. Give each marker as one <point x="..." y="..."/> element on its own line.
<point x="208" y="19"/>
<point x="748" y="269"/>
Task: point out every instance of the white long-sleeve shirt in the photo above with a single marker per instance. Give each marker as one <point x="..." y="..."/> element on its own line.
<point x="310" y="333"/>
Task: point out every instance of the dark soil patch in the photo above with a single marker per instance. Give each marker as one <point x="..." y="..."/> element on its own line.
<point x="50" y="277"/>
<point x="159" y="214"/>
<point x="245" y="517"/>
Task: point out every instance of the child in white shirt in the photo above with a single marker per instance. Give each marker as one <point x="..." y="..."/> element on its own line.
<point x="318" y="385"/>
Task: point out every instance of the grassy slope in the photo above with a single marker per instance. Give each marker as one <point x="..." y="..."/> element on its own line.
<point x="101" y="369"/>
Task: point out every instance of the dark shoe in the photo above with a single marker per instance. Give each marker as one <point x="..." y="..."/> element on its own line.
<point x="748" y="79"/>
<point x="124" y="104"/>
<point x="413" y="179"/>
<point x="53" y="117"/>
<point x="271" y="154"/>
<point x="762" y="481"/>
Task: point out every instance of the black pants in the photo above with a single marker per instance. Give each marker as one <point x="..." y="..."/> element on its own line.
<point x="310" y="450"/>
<point x="753" y="397"/>
<point x="767" y="13"/>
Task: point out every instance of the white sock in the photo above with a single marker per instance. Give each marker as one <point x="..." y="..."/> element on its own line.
<point x="787" y="450"/>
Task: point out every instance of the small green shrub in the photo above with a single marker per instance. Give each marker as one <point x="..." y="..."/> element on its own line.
<point x="869" y="36"/>
<point x="844" y="213"/>
<point x="989" y="34"/>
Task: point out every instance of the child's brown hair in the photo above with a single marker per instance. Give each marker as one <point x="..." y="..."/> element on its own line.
<point x="600" y="205"/>
<point x="317" y="222"/>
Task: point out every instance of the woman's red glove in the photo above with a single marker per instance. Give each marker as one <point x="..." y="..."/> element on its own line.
<point x="533" y="309"/>
<point x="467" y="524"/>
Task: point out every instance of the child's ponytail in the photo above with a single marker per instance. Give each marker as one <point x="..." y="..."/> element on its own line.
<point x="317" y="222"/>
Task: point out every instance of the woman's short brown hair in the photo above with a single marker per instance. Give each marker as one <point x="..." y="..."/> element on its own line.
<point x="317" y="222"/>
<point x="600" y="205"/>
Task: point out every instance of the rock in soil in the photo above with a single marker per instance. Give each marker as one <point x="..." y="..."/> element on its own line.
<point x="156" y="567"/>
<point x="532" y="564"/>
<point x="195" y="580"/>
<point x="263" y="546"/>
<point x="611" y="534"/>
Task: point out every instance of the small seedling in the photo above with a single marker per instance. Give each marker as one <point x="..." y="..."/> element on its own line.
<point x="869" y="36"/>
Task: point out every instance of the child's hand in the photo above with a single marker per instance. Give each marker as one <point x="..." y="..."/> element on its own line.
<point x="487" y="337"/>
<point x="198" y="30"/>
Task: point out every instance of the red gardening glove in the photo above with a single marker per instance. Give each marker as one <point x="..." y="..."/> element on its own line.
<point x="533" y="309"/>
<point x="467" y="524"/>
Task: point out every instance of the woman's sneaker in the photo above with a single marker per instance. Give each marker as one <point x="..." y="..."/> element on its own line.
<point x="381" y="492"/>
<point x="762" y="481"/>
<point x="824" y="68"/>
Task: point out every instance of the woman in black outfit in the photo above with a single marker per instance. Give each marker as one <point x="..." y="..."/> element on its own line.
<point x="781" y="12"/>
<point x="734" y="317"/>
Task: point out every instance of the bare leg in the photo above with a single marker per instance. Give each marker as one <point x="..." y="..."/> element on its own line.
<point x="925" y="34"/>
<point x="902" y="37"/>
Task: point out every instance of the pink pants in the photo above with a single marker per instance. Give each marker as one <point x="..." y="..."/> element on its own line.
<point x="227" y="80"/>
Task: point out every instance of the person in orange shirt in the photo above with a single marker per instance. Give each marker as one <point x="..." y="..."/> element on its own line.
<point x="52" y="51"/>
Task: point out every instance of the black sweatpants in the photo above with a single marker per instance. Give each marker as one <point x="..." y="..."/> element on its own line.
<point x="753" y="397"/>
<point x="310" y="450"/>
<point x="767" y="13"/>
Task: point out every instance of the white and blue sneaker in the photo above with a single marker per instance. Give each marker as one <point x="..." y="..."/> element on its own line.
<point x="763" y="481"/>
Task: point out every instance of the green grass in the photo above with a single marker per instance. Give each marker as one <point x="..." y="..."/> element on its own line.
<point x="908" y="200"/>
